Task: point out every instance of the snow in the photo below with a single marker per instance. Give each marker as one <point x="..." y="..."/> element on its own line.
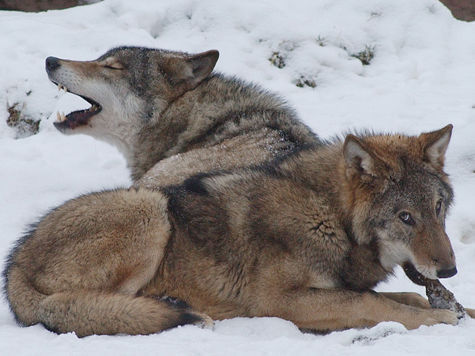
<point x="421" y="78"/>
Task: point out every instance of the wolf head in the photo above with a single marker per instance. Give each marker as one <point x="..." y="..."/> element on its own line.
<point x="399" y="197"/>
<point x="126" y="87"/>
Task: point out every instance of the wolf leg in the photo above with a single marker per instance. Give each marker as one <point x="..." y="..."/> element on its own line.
<point x="334" y="309"/>
<point x="408" y="298"/>
<point x="417" y="300"/>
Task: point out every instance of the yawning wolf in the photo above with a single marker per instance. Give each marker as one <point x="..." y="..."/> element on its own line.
<point x="168" y="107"/>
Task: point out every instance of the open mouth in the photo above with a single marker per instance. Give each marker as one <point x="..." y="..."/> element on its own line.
<point x="79" y="117"/>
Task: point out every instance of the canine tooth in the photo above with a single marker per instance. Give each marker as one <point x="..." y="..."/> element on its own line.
<point x="60" y="117"/>
<point x="62" y="87"/>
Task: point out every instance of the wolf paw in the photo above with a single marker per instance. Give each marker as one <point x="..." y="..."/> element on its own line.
<point x="203" y="320"/>
<point x="205" y="323"/>
<point x="443" y="316"/>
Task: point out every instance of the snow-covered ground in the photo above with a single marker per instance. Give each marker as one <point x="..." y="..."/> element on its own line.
<point x="421" y="78"/>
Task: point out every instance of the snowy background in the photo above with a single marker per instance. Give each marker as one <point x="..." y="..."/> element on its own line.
<point x="418" y="75"/>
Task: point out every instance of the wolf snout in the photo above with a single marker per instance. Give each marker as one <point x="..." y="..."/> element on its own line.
<point x="447" y="273"/>
<point x="51" y="63"/>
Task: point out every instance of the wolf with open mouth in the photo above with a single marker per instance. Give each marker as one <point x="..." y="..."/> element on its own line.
<point x="166" y="107"/>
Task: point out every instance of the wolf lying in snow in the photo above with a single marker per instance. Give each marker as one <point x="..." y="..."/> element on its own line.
<point x="304" y="238"/>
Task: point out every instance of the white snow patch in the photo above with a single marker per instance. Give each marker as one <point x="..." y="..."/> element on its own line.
<point x="421" y="78"/>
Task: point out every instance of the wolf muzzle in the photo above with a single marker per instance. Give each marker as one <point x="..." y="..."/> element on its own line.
<point x="447" y="273"/>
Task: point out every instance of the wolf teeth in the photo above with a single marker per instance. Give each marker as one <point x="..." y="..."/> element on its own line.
<point x="62" y="87"/>
<point x="60" y="117"/>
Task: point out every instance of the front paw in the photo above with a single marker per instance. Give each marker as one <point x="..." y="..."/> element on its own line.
<point x="441" y="316"/>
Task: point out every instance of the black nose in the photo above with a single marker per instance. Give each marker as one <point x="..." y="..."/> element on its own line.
<point x="52" y="63"/>
<point x="446" y="273"/>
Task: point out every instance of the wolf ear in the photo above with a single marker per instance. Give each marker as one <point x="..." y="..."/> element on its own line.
<point x="202" y="64"/>
<point x="358" y="157"/>
<point x="191" y="70"/>
<point x="434" y="145"/>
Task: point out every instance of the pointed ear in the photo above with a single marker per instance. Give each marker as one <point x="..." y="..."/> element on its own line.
<point x="190" y="71"/>
<point x="434" y="145"/>
<point x="358" y="158"/>
<point x="202" y="64"/>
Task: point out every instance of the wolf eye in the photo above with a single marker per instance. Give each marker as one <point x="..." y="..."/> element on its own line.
<point x="406" y="218"/>
<point x="116" y="66"/>
<point x="112" y="63"/>
<point x="438" y="207"/>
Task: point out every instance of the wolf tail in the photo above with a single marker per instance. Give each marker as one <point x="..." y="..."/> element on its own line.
<point x="90" y="312"/>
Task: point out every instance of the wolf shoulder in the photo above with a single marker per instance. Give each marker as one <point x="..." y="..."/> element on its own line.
<point x="258" y="207"/>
